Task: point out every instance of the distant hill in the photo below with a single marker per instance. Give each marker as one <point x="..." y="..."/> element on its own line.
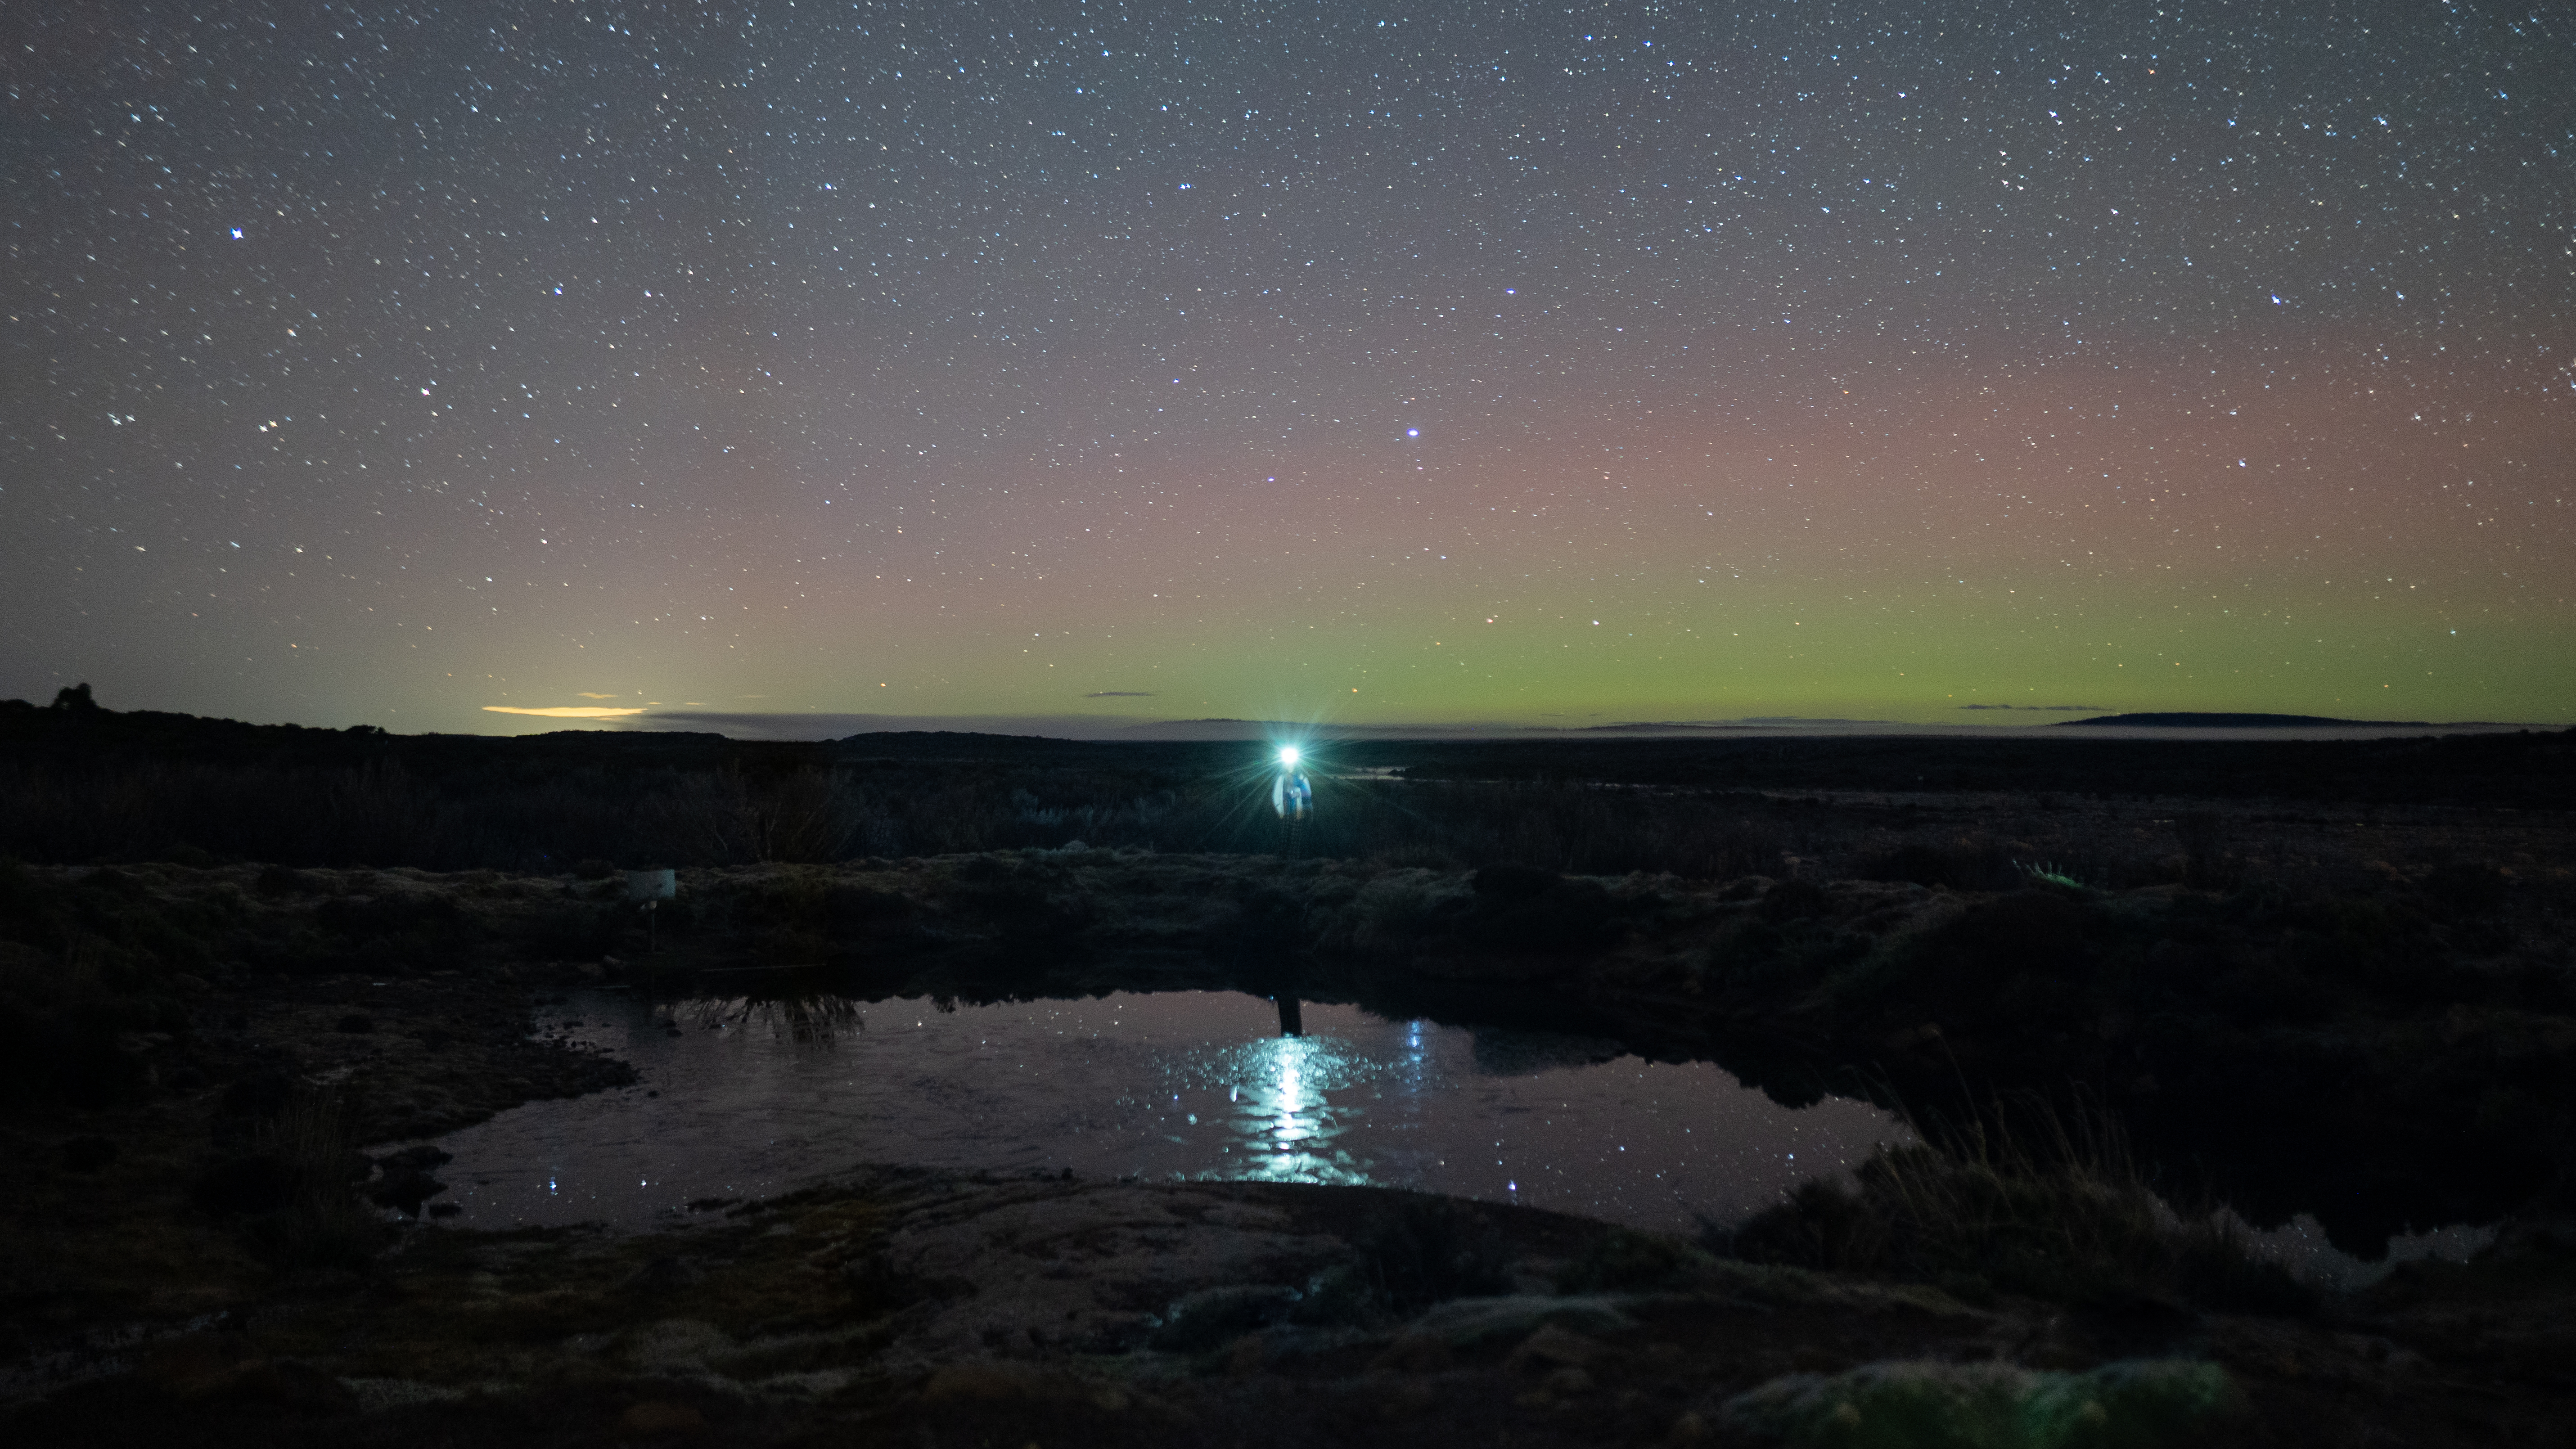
<point x="2242" y="722"/>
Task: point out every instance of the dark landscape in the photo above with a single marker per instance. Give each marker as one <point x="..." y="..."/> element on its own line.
<point x="1203" y="724"/>
<point x="2115" y="985"/>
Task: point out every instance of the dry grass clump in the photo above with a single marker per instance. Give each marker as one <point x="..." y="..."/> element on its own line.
<point x="2031" y="1200"/>
<point x="291" y="1183"/>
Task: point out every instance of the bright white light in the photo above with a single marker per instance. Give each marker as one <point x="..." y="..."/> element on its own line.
<point x="1288" y="756"/>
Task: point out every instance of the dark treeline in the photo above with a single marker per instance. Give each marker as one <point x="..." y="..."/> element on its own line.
<point x="81" y="784"/>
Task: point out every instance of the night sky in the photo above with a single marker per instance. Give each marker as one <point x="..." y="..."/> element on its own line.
<point x="1372" y="363"/>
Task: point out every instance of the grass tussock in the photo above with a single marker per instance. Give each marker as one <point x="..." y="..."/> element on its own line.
<point x="290" y="1183"/>
<point x="2129" y="1404"/>
<point x="2032" y="1201"/>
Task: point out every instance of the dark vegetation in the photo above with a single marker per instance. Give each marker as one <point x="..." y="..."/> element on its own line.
<point x="2306" y="977"/>
<point x="90" y="784"/>
<point x="2395" y="1050"/>
<point x="285" y="1172"/>
<point x="2389" y="979"/>
<point x="2025" y="1198"/>
<point x="90" y="974"/>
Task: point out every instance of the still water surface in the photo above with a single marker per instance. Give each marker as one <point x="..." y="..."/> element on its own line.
<point x="745" y="1099"/>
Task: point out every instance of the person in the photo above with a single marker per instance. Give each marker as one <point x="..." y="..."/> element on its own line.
<point x="1292" y="796"/>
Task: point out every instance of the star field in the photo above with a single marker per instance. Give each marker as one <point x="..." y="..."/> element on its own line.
<point x="1464" y="362"/>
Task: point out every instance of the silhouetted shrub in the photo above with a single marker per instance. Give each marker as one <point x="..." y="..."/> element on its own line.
<point x="2057" y="1210"/>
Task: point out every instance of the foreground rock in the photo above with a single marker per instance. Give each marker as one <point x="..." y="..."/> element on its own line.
<point x="905" y="1307"/>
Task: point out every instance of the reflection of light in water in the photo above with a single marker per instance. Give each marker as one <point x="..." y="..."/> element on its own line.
<point x="1284" y="1121"/>
<point x="1172" y="1086"/>
<point x="810" y="1017"/>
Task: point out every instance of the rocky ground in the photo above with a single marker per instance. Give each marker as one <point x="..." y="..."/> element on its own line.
<point x="191" y="1252"/>
<point x="903" y="1307"/>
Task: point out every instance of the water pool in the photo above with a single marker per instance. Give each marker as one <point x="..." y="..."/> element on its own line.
<point x="744" y="1098"/>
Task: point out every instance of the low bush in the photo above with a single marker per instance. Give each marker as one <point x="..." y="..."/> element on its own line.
<point x="2051" y="1210"/>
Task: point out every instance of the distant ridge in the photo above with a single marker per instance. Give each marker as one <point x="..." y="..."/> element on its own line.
<point x="2242" y="721"/>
